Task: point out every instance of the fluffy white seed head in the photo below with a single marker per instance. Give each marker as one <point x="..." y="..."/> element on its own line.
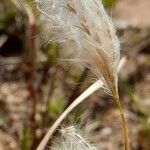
<point x="83" y="27"/>
<point x="72" y="139"/>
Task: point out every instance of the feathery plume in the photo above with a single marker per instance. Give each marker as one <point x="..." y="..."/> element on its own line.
<point x="72" y="139"/>
<point x="83" y="27"/>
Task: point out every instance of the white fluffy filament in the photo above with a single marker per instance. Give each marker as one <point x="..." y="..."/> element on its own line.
<point x="84" y="27"/>
<point x="72" y="139"/>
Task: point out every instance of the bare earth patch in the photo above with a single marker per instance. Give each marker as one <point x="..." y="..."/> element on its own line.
<point x="133" y="12"/>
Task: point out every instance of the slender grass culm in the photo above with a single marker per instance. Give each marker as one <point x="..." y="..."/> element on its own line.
<point x="84" y="28"/>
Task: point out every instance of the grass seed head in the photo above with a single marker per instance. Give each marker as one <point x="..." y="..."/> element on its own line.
<point x="72" y="139"/>
<point x="84" y="28"/>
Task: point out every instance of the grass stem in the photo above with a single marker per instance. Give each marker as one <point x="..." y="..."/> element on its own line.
<point x="124" y="124"/>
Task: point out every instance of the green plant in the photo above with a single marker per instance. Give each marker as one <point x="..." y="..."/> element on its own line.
<point x="109" y="3"/>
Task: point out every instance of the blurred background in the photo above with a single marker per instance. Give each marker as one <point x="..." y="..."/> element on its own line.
<point x="36" y="86"/>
